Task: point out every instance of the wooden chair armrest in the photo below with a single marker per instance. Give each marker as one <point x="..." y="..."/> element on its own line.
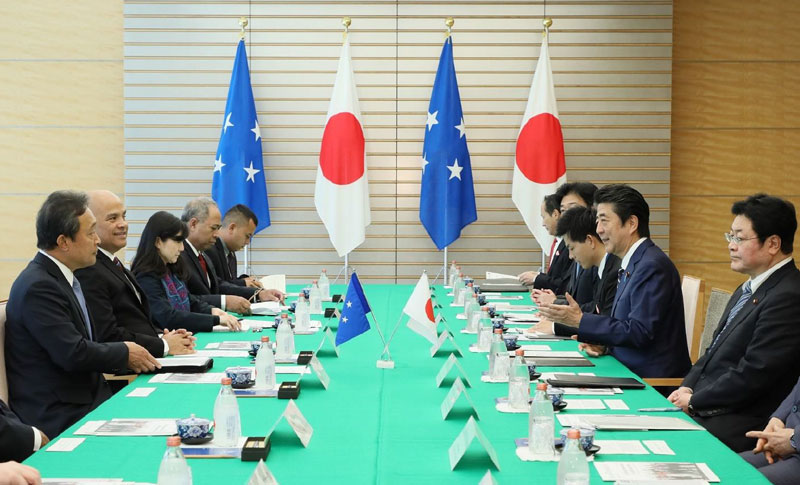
<point x="128" y="378"/>
<point x="664" y="381"/>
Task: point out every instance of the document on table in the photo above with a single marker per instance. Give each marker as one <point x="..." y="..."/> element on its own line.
<point x="621" y="447"/>
<point x="503" y="307"/>
<point x="267" y="308"/>
<point x="141" y="392"/>
<point x="212" y="353"/>
<point x="83" y="481"/>
<point x="176" y="378"/>
<point x="629" y="471"/>
<point x="585" y="404"/>
<point x="230" y="345"/>
<point x="658" y="447"/>
<point x="629" y="421"/>
<point x="274" y="282"/>
<point x="571" y="354"/>
<point x="130" y="427"/>
<point x="65" y="444"/>
<point x="499" y="276"/>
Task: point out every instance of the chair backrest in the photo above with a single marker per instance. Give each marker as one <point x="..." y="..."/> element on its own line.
<point x="3" y="381"/>
<point x="692" y="289"/>
<point x="717" y="301"/>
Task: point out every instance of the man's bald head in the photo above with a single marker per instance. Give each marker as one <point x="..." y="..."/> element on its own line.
<point x="111" y="224"/>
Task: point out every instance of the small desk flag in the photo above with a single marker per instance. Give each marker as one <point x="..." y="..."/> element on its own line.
<point x="539" y="167"/>
<point x="447" y="197"/>
<point x="238" y="176"/>
<point x="419" y="309"/>
<point x="353" y="321"/>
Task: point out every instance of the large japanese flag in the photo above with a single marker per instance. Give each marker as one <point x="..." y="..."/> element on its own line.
<point x="539" y="167"/>
<point x="419" y="309"/>
<point x="342" y="191"/>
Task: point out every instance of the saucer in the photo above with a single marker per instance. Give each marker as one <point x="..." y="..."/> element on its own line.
<point x="559" y="445"/>
<point x="560" y="406"/>
<point x="246" y="385"/>
<point x="197" y="441"/>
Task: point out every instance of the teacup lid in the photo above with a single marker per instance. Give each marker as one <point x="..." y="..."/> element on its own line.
<point x="192" y="420"/>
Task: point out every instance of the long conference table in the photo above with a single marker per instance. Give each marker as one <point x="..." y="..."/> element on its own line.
<point x="372" y="425"/>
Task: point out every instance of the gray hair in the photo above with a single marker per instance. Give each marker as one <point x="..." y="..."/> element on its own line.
<point x="197" y="208"/>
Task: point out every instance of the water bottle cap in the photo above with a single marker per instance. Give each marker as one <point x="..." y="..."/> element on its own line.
<point x="460" y="275"/>
<point x="173" y="440"/>
<point x="485" y="308"/>
<point x="324" y="270"/>
<point x="469" y="284"/>
<point x="284" y="315"/>
<point x="226" y="381"/>
<point x="542" y="386"/>
<point x="574" y="434"/>
<point x="264" y="339"/>
<point x="518" y="352"/>
<point x="500" y="331"/>
<point x="313" y="282"/>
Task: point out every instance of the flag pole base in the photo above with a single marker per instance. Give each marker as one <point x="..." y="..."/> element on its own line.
<point x="385" y="364"/>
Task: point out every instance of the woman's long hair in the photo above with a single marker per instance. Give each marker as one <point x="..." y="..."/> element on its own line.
<point x="161" y="225"/>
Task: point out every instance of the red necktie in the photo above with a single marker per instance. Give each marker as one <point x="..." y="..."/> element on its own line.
<point x="203" y="264"/>
<point x="552" y="253"/>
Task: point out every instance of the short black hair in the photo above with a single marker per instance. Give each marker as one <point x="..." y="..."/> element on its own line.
<point x="626" y="202"/>
<point x="552" y="203"/>
<point x="584" y="190"/>
<point x="59" y="215"/>
<point x="161" y="225"/>
<point x="577" y="223"/>
<point x="770" y="216"/>
<point x="240" y="213"/>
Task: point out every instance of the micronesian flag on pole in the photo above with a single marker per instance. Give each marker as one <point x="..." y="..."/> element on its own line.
<point x="539" y="167"/>
<point x="353" y="320"/>
<point x="239" y="167"/>
<point x="447" y="197"/>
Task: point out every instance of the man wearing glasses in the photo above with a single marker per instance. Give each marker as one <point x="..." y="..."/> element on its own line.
<point x="751" y="364"/>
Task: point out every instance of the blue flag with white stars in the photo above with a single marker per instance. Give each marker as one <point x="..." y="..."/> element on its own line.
<point x="239" y="167"/>
<point x="447" y="197"/>
<point x="353" y="320"/>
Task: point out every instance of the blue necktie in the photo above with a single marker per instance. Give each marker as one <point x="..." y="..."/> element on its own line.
<point x="746" y="294"/>
<point x="76" y="288"/>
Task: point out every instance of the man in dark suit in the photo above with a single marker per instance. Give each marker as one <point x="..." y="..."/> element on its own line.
<point x="557" y="276"/>
<point x="202" y="217"/>
<point x="53" y="361"/>
<point x="751" y="364"/>
<point x="777" y="451"/>
<point x="238" y="226"/>
<point x="645" y="330"/>
<point x="577" y="227"/>
<point x="17" y="440"/>
<point x="116" y="303"/>
<point x="581" y="281"/>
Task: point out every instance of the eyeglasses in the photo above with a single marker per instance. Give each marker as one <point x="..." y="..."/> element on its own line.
<point x="736" y="239"/>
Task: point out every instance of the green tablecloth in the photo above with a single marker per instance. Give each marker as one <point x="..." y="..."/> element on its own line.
<point x="371" y="425"/>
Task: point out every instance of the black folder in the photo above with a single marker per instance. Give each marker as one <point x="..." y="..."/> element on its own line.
<point x="178" y="365"/>
<point x="566" y="380"/>
<point x="508" y="285"/>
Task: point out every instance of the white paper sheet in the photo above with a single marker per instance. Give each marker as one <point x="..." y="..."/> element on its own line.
<point x="621" y="447"/>
<point x="573" y="404"/>
<point x="659" y="447"/>
<point x="274" y="282"/>
<point x="65" y="444"/>
<point x="130" y="427"/>
<point x="617" y="404"/>
<point x="629" y="470"/>
<point x="141" y="392"/>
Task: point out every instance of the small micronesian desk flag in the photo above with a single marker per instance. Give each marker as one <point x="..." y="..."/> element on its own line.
<point x="447" y="197"/>
<point x="239" y="167"/>
<point x="353" y="321"/>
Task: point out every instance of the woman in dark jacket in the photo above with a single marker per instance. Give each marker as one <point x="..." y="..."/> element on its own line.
<point x="161" y="276"/>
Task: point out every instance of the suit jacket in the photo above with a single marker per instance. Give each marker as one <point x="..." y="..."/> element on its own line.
<point x="789" y="410"/>
<point x="54" y="369"/>
<point x="200" y="287"/>
<point x="216" y="254"/>
<point x="117" y="312"/>
<point x="581" y="283"/>
<point x="645" y="330"/>
<point x="739" y="381"/>
<point x="16" y="438"/>
<point x="603" y="292"/>
<point x="199" y="319"/>
<point x="558" y="275"/>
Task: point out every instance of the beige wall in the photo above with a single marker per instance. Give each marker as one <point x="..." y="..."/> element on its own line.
<point x="61" y="111"/>
<point x="735" y="122"/>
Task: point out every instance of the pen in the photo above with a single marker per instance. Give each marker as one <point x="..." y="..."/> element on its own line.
<point x="660" y="410"/>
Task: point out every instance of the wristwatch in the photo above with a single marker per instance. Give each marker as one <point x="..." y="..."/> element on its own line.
<point x="793" y="442"/>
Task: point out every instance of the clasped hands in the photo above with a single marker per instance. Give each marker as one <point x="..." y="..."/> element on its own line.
<point x="773" y="441"/>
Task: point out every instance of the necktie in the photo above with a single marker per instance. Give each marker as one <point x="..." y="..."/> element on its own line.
<point x="552" y="254"/>
<point x="232" y="264"/>
<point x="746" y="294"/>
<point x="76" y="288"/>
<point x="127" y="278"/>
<point x="204" y="265"/>
<point x="620" y="275"/>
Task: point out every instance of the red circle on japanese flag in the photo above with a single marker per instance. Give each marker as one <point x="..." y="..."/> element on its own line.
<point x="429" y="310"/>
<point x="341" y="156"/>
<point x="540" y="149"/>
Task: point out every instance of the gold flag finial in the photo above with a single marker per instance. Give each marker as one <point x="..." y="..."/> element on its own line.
<point x="547" y="22"/>
<point x="242" y="24"/>
<point x="449" y="23"/>
<point x="346" y="21"/>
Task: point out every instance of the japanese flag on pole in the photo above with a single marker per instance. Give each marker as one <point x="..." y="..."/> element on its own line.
<point x="539" y="167"/>
<point x="419" y="309"/>
<point x="342" y="190"/>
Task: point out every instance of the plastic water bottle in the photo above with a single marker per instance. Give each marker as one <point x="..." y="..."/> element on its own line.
<point x="302" y="316"/>
<point x="174" y="470"/>
<point x="573" y="469"/>
<point x="458" y="290"/>
<point x="315" y="298"/>
<point x="498" y="357"/>
<point x="325" y="285"/>
<point x="519" y="382"/>
<point x="484" y="330"/>
<point x="265" y="365"/>
<point x="541" y="425"/>
<point x="227" y="426"/>
<point x="453" y="273"/>
<point x="470" y="302"/>
<point x="284" y="338"/>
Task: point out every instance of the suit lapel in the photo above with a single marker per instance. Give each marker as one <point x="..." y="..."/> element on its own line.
<point x="196" y="262"/>
<point x="629" y="271"/>
<point x="56" y="273"/>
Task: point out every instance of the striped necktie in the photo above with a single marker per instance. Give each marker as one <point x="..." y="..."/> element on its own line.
<point x="746" y="294"/>
<point x="76" y="288"/>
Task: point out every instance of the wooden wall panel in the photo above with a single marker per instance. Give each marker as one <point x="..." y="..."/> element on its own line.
<point x="735" y="122"/>
<point x="61" y="115"/>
